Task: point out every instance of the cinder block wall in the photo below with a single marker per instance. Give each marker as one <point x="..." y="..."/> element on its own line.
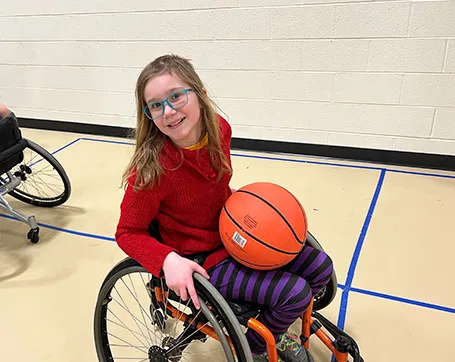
<point x="375" y="74"/>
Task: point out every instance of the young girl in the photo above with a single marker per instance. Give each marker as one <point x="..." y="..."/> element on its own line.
<point x="179" y="178"/>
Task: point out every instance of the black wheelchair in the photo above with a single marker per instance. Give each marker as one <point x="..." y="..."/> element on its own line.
<point x="138" y="318"/>
<point x="30" y="174"/>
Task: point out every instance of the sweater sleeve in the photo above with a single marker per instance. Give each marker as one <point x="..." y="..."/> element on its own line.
<point x="137" y="210"/>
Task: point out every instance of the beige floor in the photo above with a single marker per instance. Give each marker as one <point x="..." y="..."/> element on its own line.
<point x="400" y="306"/>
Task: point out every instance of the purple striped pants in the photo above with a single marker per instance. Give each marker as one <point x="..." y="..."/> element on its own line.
<point x="285" y="292"/>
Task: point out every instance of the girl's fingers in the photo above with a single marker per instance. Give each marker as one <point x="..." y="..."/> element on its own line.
<point x="193" y="295"/>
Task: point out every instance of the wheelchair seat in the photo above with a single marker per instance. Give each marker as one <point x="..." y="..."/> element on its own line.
<point x="12" y="144"/>
<point x="244" y="310"/>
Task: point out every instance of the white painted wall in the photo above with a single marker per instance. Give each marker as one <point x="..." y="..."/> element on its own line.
<point x="377" y="74"/>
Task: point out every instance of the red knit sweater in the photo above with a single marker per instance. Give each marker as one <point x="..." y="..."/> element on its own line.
<point x="186" y="204"/>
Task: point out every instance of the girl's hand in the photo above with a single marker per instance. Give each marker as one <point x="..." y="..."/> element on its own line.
<point x="178" y="272"/>
<point x="4" y="111"/>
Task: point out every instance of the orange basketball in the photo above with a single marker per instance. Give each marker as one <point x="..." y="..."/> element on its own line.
<point x="263" y="226"/>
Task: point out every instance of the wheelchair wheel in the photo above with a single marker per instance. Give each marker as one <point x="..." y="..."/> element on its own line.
<point x="138" y="318"/>
<point x="328" y="293"/>
<point x="44" y="181"/>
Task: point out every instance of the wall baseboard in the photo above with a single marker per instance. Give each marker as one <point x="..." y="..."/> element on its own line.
<point x="397" y="158"/>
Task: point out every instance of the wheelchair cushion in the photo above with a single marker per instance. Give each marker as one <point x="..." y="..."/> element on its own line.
<point x="244" y="310"/>
<point x="10" y="133"/>
<point x="12" y="156"/>
<point x="11" y="143"/>
<point x="242" y="307"/>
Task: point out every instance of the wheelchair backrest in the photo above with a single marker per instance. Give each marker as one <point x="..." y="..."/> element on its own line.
<point x="10" y="133"/>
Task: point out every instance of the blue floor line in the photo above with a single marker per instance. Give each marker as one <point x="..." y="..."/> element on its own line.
<point x="345" y="293"/>
<point x="422" y="173"/>
<point x="306" y="161"/>
<point x="69" y="144"/>
<point x="345" y="165"/>
<point x="107" y="141"/>
<point x="403" y="300"/>
<point x="343" y="309"/>
<point x="355" y="258"/>
<point x="364" y="231"/>
<point x="56" y="151"/>
<point x="256" y="156"/>
<point x="68" y="231"/>
<point x="234" y="154"/>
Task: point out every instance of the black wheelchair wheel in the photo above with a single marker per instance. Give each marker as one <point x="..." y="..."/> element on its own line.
<point x="44" y="180"/>
<point x="144" y="336"/>
<point x="328" y="293"/>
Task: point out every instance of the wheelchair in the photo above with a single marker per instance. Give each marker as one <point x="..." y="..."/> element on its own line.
<point x="166" y="329"/>
<point x="30" y="174"/>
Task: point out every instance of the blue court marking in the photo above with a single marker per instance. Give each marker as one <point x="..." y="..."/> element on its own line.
<point x="256" y="156"/>
<point x="355" y="258"/>
<point x="284" y="159"/>
<point x="343" y="308"/>
<point x="404" y="300"/>
<point x="344" y="165"/>
<point x="422" y="174"/>
<point x="306" y="161"/>
<point x="341" y="286"/>
<point x="347" y="287"/>
<point x="357" y="250"/>
<point x="68" y="231"/>
<point x="53" y="153"/>
<point x="69" y="144"/>
<point x="107" y="141"/>
<point x="363" y="233"/>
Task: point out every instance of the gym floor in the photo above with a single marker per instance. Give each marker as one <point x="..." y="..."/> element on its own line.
<point x="388" y="229"/>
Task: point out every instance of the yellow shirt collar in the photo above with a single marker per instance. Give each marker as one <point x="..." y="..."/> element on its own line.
<point x="202" y="143"/>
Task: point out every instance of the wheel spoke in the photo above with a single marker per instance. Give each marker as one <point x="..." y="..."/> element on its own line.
<point x="44" y="182"/>
<point x="132" y="303"/>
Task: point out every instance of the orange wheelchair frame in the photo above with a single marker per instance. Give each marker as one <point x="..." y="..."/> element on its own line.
<point x="340" y="344"/>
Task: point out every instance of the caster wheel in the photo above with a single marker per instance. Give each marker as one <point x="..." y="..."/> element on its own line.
<point x="33" y="235"/>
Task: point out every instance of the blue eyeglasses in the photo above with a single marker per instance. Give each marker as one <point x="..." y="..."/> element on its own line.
<point x="176" y="100"/>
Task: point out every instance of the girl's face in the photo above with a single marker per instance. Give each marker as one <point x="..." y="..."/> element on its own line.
<point x="183" y="126"/>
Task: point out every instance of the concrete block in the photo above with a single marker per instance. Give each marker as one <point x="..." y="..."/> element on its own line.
<point x="428" y="90"/>
<point x="367" y="88"/>
<point x="444" y="123"/>
<point x="432" y="19"/>
<point x="370" y="20"/>
<point x="334" y="55"/>
<point x="241" y="54"/>
<point x="302" y="22"/>
<point x="406" y="55"/>
<point x="255" y="85"/>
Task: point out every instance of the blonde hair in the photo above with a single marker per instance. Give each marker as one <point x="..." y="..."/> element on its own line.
<point x="150" y="140"/>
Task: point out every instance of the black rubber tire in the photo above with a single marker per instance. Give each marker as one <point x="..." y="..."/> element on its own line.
<point x="203" y="287"/>
<point x="328" y="293"/>
<point x="45" y="202"/>
<point x="33" y="235"/>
